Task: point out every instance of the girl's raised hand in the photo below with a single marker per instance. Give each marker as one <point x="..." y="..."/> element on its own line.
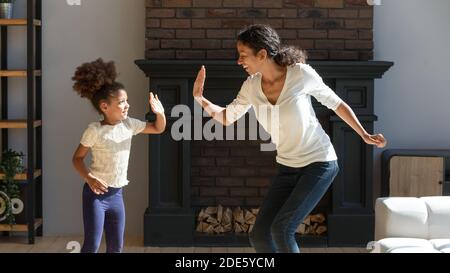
<point x="155" y="104"/>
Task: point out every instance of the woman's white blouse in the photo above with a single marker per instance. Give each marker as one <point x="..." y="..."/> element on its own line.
<point x="291" y="122"/>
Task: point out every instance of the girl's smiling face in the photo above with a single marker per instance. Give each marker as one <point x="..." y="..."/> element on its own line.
<point x="116" y="109"/>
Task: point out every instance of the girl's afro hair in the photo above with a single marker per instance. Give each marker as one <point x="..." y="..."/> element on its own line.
<point x="93" y="76"/>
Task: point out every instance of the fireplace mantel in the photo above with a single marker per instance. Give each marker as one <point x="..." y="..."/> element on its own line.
<point x="229" y="69"/>
<point x="169" y="219"/>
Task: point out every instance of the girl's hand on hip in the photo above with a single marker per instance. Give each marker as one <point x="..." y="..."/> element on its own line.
<point x="155" y="104"/>
<point x="97" y="185"/>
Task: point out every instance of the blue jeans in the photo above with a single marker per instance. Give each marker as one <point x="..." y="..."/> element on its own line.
<point x="100" y="212"/>
<point x="292" y="196"/>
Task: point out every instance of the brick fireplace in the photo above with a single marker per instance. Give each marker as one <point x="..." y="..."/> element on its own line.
<point x="187" y="175"/>
<point x="206" y="29"/>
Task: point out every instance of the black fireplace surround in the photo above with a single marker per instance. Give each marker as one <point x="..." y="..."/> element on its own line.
<point x="169" y="219"/>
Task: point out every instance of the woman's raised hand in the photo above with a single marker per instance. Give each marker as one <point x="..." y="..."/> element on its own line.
<point x="199" y="82"/>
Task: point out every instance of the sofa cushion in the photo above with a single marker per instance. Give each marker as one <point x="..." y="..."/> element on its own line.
<point x="413" y="249"/>
<point x="401" y="217"/>
<point x="388" y="244"/>
<point x="440" y="244"/>
<point x="438" y="216"/>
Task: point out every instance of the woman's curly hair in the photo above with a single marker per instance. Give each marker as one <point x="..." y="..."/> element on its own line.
<point x="260" y="36"/>
<point x="96" y="81"/>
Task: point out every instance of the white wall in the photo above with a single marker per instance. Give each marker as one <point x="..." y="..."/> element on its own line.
<point x="113" y="30"/>
<point x="412" y="100"/>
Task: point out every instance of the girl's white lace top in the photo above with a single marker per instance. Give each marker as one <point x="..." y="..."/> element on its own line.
<point x="110" y="146"/>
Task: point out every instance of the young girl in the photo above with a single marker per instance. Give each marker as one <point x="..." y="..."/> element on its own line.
<point x="307" y="162"/>
<point x="109" y="141"/>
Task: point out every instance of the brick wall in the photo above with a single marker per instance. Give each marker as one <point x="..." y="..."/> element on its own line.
<point x="206" y="29"/>
<point x="230" y="173"/>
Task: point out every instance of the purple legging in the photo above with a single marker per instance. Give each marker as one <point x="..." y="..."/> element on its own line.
<point x="100" y="212"/>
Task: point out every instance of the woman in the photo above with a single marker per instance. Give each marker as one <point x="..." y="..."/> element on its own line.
<point x="307" y="162"/>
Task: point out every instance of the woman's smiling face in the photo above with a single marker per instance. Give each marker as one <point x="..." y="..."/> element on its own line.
<point x="247" y="58"/>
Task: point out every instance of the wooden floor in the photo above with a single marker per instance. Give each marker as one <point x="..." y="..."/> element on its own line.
<point x="61" y="244"/>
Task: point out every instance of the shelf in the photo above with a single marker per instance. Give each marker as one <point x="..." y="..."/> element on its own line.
<point x="20" y="227"/>
<point x="23" y="176"/>
<point x="18" y="124"/>
<point x="17" y="73"/>
<point x="18" y="22"/>
<point x="30" y="124"/>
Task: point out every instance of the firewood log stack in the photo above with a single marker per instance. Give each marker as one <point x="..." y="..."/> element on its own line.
<point x="217" y="220"/>
<point x="221" y="220"/>
<point x="244" y="219"/>
<point x="313" y="224"/>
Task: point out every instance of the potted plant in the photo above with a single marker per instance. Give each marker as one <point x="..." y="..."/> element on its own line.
<point x="10" y="165"/>
<point x="6" y="9"/>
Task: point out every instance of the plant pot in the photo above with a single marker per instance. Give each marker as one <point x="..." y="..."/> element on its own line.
<point x="6" y="10"/>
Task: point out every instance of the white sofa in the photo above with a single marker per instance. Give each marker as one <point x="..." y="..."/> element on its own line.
<point x="412" y="225"/>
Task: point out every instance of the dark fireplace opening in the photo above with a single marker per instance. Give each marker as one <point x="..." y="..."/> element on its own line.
<point x="187" y="175"/>
<point x="219" y="225"/>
